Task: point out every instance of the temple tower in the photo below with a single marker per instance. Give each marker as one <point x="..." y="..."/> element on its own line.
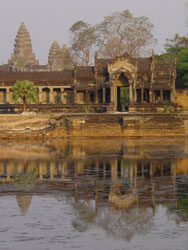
<point x="23" y="54"/>
<point x="59" y="59"/>
<point x="67" y="59"/>
<point x="54" y="56"/>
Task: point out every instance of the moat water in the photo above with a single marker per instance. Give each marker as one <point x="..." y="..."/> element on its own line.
<point x="94" y="194"/>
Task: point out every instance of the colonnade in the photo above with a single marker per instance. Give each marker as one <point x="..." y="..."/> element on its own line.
<point x="62" y="95"/>
<point x="105" y="169"/>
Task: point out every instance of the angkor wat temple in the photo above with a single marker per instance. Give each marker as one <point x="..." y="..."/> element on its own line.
<point x="119" y="84"/>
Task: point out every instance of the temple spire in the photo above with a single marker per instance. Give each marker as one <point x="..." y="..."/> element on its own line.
<point x="23" y="48"/>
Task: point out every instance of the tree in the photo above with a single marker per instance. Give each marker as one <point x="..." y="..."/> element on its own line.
<point x="26" y="91"/>
<point x="122" y="32"/>
<point x="173" y="45"/>
<point x="20" y="65"/>
<point x="177" y="48"/>
<point x="61" y="60"/>
<point x="82" y="40"/>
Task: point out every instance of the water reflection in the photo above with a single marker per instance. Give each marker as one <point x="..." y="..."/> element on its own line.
<point x="113" y="185"/>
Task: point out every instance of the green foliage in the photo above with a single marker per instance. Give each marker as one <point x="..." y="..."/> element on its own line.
<point x="26" y="91"/>
<point x="124" y="95"/>
<point x="168" y="109"/>
<point x="58" y="99"/>
<point x="27" y="180"/>
<point x="20" y="64"/>
<point x="88" y="109"/>
<point x="177" y="49"/>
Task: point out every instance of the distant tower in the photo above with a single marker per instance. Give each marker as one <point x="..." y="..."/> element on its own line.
<point x="67" y="59"/>
<point x="59" y="59"/>
<point x="54" y="55"/>
<point x="24" y="202"/>
<point x="23" y="54"/>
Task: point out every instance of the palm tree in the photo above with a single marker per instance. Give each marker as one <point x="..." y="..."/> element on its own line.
<point x="26" y="91"/>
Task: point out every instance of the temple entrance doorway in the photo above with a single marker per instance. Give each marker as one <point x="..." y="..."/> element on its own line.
<point x="122" y="85"/>
<point x="123" y="99"/>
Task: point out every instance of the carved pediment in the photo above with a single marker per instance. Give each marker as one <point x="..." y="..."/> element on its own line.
<point x="125" y="56"/>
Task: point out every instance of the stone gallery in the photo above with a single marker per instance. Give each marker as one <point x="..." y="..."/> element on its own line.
<point x="119" y="84"/>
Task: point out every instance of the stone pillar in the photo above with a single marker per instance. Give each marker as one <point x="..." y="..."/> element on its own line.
<point x="96" y="96"/>
<point x="51" y="96"/>
<point x="40" y="172"/>
<point x="62" y="96"/>
<point x="150" y="95"/>
<point x="52" y="167"/>
<point x="104" y="170"/>
<point x="8" y="172"/>
<point x="7" y="95"/>
<point x="114" y="170"/>
<point x="131" y="172"/>
<point x="135" y="95"/>
<point x="86" y="97"/>
<point x="64" y="170"/>
<point x="161" y="95"/>
<point x="142" y="95"/>
<point x="172" y="95"/>
<point x="75" y="99"/>
<point x="104" y="95"/>
<point x="112" y="92"/>
<point x="40" y="95"/>
<point x="131" y="93"/>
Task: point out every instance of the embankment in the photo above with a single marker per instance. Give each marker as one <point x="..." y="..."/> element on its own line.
<point x="93" y="125"/>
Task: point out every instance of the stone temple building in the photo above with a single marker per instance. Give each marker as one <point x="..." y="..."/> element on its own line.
<point x="118" y="84"/>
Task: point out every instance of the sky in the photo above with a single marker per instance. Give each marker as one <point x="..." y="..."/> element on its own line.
<point x="49" y="20"/>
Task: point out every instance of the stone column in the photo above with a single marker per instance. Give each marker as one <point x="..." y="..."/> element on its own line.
<point x="131" y="93"/>
<point x="51" y="96"/>
<point x="150" y="95"/>
<point x="40" y="95"/>
<point x="114" y="170"/>
<point x="104" y="170"/>
<point x="52" y="167"/>
<point x="112" y="92"/>
<point x="75" y="99"/>
<point x="96" y="96"/>
<point x="40" y="172"/>
<point x="62" y="96"/>
<point x="8" y="172"/>
<point x="7" y="95"/>
<point x="135" y="95"/>
<point x="104" y="95"/>
<point x="64" y="170"/>
<point x="161" y="95"/>
<point x="142" y="95"/>
<point x="86" y="97"/>
<point x="172" y="95"/>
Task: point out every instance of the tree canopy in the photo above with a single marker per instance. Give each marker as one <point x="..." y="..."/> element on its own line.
<point x="26" y="91"/>
<point x="177" y="48"/>
<point x="82" y="40"/>
<point x="118" y="33"/>
<point x="122" y="32"/>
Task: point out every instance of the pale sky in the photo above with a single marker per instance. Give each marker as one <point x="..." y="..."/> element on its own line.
<point x="49" y="20"/>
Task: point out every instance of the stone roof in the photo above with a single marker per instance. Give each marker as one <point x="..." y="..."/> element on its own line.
<point x="64" y="77"/>
<point x="85" y="74"/>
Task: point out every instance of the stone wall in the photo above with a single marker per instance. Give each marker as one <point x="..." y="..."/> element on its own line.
<point x="102" y="126"/>
<point x="182" y="98"/>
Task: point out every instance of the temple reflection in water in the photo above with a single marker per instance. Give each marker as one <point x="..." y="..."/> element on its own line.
<point x="94" y="174"/>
